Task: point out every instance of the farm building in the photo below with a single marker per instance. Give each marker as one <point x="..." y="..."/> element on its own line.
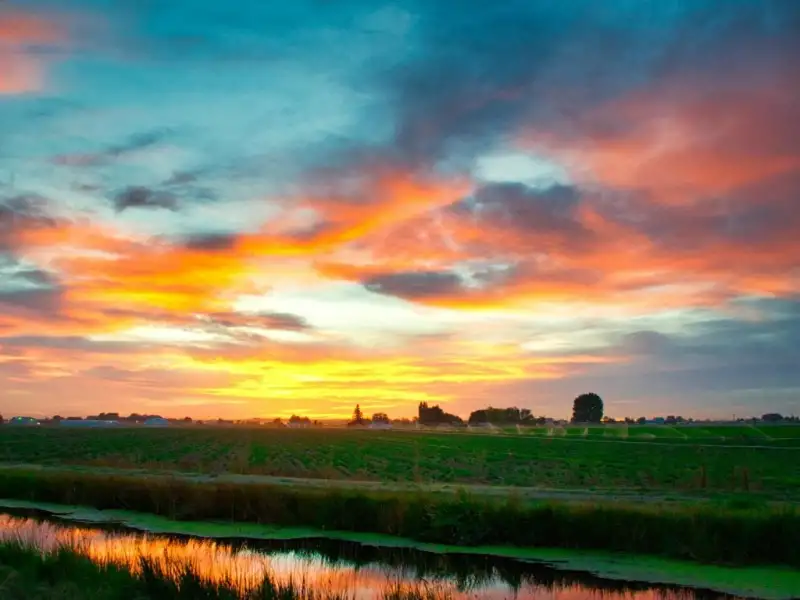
<point x="156" y="422"/>
<point x="24" y="421"/>
<point x="380" y="425"/>
<point x="90" y="423"/>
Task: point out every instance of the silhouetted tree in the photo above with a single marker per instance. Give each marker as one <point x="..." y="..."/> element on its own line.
<point x="587" y="408"/>
<point x="502" y="416"/>
<point x="358" y="416"/>
<point x="380" y="418"/>
<point x="434" y="415"/>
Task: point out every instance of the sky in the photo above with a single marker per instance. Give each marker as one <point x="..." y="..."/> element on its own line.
<point x="252" y="209"/>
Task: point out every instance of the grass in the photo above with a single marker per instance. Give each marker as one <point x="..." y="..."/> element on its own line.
<point x="604" y="458"/>
<point x="717" y="533"/>
<point x="66" y="574"/>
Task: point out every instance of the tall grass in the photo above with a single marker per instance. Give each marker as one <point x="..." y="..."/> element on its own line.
<point x="26" y="574"/>
<point x="710" y="533"/>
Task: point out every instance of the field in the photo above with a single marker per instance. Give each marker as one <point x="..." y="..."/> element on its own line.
<point x="760" y="461"/>
<point x="698" y="498"/>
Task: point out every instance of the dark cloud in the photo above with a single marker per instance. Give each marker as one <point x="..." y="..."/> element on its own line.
<point x="551" y="211"/>
<point x="646" y="343"/>
<point x="37" y="277"/>
<point x="134" y="143"/>
<point x="725" y="354"/>
<point x="143" y="197"/>
<point x="75" y="343"/>
<point x="264" y="320"/>
<point x="36" y="300"/>
<point x="181" y="178"/>
<point x="481" y="74"/>
<point x="414" y="285"/>
<point x="211" y="242"/>
<point x="19" y="213"/>
<point x="283" y="321"/>
<point x="26" y="290"/>
<point x="475" y="78"/>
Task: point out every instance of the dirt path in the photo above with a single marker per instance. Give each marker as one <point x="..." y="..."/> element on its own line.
<point x="489" y="491"/>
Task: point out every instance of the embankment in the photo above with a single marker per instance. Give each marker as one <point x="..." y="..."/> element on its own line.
<point x="706" y="533"/>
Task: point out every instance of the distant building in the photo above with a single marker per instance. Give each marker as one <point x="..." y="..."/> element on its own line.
<point x="89" y="423"/>
<point x="156" y="422"/>
<point x="24" y="421"/>
<point x="380" y="425"/>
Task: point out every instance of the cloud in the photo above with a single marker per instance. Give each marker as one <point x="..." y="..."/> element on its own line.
<point x="19" y="214"/>
<point x="142" y="197"/>
<point x="22" y="66"/>
<point x="262" y="320"/>
<point x="413" y="285"/>
<point x="71" y="343"/>
<point x="133" y="145"/>
<point x="214" y="242"/>
<point x="32" y="300"/>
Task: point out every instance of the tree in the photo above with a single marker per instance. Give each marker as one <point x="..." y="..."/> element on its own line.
<point x="587" y="408"/>
<point x="358" y="416"/>
<point x="434" y="415"/>
<point x="502" y="416"/>
<point x="380" y="418"/>
<point x="772" y="418"/>
<point x="298" y="420"/>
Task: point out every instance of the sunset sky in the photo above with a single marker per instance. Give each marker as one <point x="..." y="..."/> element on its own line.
<point x="257" y="208"/>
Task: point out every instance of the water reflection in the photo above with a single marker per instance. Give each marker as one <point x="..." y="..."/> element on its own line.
<point x="352" y="570"/>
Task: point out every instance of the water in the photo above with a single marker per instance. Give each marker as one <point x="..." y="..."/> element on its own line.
<point x="355" y="570"/>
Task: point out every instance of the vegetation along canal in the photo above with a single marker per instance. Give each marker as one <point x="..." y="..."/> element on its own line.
<point x="319" y="568"/>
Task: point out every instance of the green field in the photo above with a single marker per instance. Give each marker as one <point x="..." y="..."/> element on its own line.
<point x="649" y="458"/>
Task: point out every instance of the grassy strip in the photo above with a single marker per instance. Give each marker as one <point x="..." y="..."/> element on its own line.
<point x="707" y="534"/>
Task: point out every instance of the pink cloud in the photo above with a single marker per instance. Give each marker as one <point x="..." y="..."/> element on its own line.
<point x="20" y="70"/>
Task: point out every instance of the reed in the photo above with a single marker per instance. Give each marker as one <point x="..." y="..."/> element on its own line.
<point x="723" y="533"/>
<point x="66" y="574"/>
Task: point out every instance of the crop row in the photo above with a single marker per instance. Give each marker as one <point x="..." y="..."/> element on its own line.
<point x="530" y="461"/>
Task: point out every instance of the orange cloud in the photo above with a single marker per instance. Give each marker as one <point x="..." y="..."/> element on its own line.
<point x="21" y="71"/>
<point x="381" y="201"/>
<point x="682" y="139"/>
<point x="686" y="194"/>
